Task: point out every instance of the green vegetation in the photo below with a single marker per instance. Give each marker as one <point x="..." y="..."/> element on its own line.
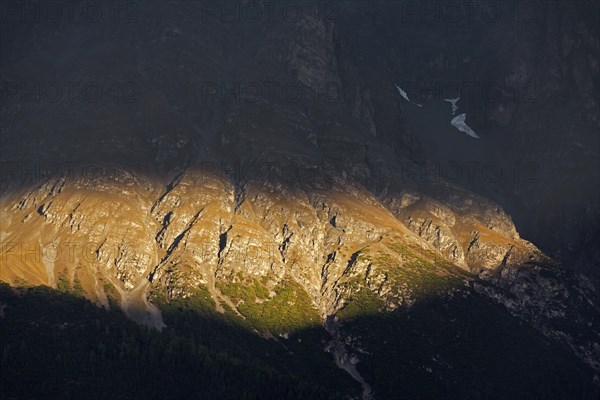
<point x="289" y="310"/>
<point x="245" y="290"/>
<point x="360" y="304"/>
<point x="200" y="301"/>
<point x="423" y="272"/>
<point x="64" y="285"/>
<point x="410" y="273"/>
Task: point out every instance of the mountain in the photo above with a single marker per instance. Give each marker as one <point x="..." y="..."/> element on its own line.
<point x="256" y="211"/>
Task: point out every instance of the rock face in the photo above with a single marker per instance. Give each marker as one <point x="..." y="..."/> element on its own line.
<point x="201" y="230"/>
<point x="289" y="211"/>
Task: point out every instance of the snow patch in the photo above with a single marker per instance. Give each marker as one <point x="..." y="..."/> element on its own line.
<point x="459" y="123"/>
<point x="453" y="102"/>
<point x="405" y="96"/>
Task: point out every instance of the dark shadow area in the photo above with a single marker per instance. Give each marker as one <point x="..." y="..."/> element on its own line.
<point x="57" y="345"/>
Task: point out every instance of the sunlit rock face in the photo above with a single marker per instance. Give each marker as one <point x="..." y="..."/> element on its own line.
<point x="287" y="212"/>
<point x="199" y="229"/>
